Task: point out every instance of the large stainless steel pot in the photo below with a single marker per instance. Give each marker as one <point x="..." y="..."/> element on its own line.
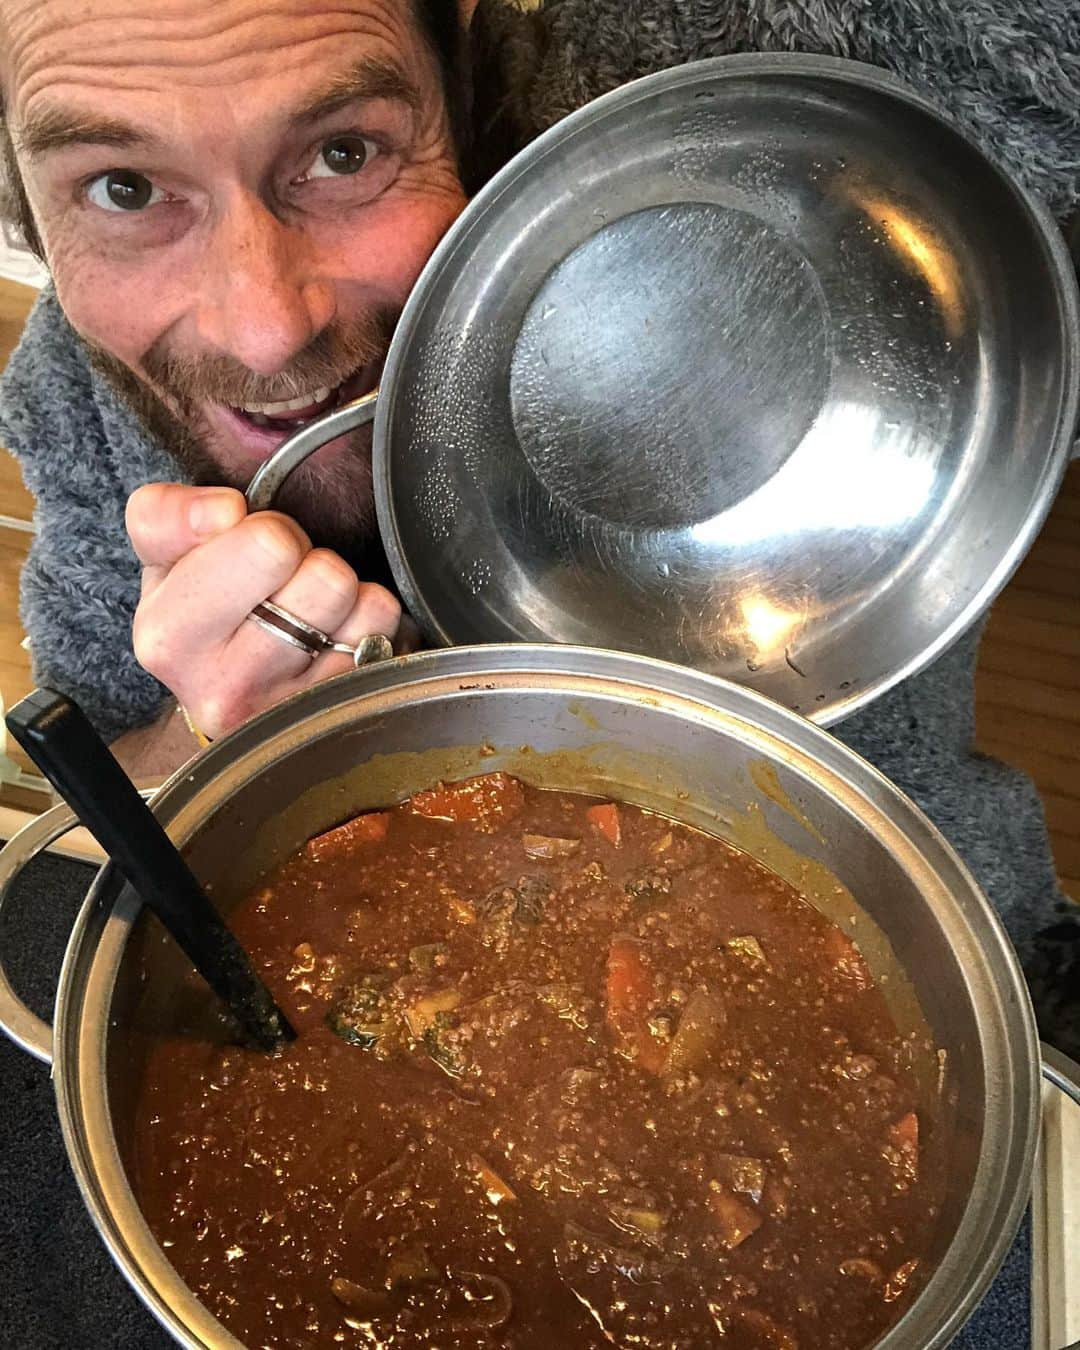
<point x="708" y="752"/>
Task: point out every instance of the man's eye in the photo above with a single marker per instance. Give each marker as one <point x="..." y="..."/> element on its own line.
<point x="123" y="190"/>
<point x="343" y="155"/>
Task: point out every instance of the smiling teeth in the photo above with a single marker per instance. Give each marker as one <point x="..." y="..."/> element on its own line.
<point x="288" y="405"/>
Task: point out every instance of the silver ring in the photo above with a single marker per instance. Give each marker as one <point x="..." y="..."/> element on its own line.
<point x="375" y="647"/>
<point x="290" y="628"/>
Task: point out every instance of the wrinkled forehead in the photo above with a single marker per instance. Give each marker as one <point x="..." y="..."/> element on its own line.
<point x="94" y="47"/>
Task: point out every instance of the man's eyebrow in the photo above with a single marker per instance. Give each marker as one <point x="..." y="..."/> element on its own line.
<point x="56" y="128"/>
<point x="369" y="79"/>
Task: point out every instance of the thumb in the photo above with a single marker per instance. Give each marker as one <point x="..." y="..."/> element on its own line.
<point x="165" y="521"/>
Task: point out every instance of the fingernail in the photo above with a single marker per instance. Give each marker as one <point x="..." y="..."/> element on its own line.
<point x="213" y="512"/>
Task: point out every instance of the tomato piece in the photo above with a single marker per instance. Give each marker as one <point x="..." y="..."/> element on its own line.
<point x="479" y="801"/>
<point x="370" y="828"/>
<point x="630" y="993"/>
<point x="605" y="820"/>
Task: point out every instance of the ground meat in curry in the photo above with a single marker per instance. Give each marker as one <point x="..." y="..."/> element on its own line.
<point x="568" y="1074"/>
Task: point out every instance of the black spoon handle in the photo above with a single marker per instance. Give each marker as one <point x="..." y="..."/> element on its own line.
<point x="57" y="736"/>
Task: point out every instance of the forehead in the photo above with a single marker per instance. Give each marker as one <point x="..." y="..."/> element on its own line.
<point x="92" y="50"/>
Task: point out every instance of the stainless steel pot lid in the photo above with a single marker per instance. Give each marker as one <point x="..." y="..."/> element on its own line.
<point x="755" y="365"/>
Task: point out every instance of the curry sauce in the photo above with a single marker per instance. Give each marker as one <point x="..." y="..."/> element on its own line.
<point x="568" y="1074"/>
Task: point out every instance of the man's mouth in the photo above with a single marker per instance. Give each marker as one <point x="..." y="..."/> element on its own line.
<point x="257" y="429"/>
<point x="293" y="413"/>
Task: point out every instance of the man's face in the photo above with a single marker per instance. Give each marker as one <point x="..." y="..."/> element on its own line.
<point x="235" y="200"/>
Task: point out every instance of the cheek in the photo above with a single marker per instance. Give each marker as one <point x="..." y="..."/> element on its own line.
<point x="382" y="258"/>
<point x="116" y="307"/>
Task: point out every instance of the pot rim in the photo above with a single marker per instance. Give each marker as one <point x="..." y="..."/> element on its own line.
<point x="1001" y="1184"/>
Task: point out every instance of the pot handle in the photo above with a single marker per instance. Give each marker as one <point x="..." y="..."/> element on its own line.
<point x="1058" y="1069"/>
<point x="1072" y="241"/>
<point x="18" y="1023"/>
<point x="291" y="453"/>
<point x="22" y="1026"/>
<point x="1064" y="1074"/>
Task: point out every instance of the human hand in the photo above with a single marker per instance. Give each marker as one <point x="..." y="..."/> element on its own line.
<point x="206" y="565"/>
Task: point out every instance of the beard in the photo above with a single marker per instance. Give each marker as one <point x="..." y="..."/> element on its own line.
<point x="333" y="499"/>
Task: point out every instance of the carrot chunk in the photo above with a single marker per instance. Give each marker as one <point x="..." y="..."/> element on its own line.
<point x="605" y="820"/>
<point x="630" y="993"/>
<point x="460" y="909"/>
<point x="480" y="801"/>
<point x="847" y="959"/>
<point x="904" y="1139"/>
<point x="370" y="828"/>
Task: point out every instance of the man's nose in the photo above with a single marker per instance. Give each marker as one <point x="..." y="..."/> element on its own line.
<point x="260" y="298"/>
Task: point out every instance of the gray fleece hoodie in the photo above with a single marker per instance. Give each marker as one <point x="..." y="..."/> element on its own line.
<point x="1008" y="71"/>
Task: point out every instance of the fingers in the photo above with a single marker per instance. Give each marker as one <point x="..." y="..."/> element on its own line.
<point x="323" y="593"/>
<point x="258" y="669"/>
<point x="165" y="521"/>
<point x="206" y="565"/>
<point x="376" y="610"/>
<point x="189" y="616"/>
